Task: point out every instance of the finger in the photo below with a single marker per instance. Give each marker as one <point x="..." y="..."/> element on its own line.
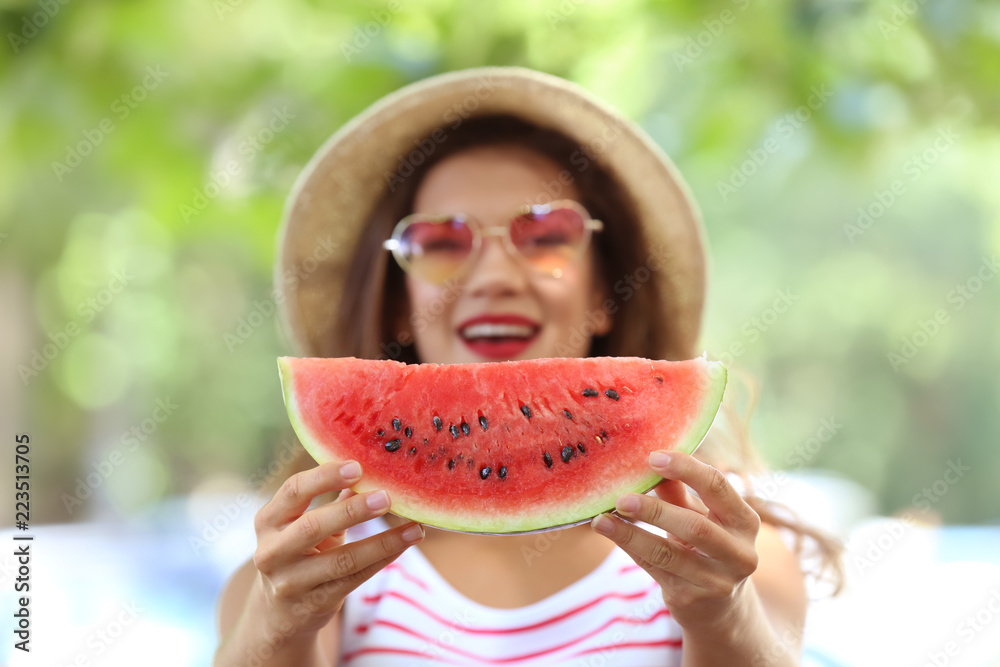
<point x="351" y="559"/>
<point x="676" y="493"/>
<point x="719" y="496"/>
<point x="693" y="528"/>
<point x="317" y="524"/>
<point x="332" y="593"/>
<point x="344" y="495"/>
<point x="328" y="596"/>
<point x="651" y="552"/>
<point x="298" y="491"/>
<point x="331" y="542"/>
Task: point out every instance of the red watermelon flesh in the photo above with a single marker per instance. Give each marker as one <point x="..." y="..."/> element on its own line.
<point x="504" y="447"/>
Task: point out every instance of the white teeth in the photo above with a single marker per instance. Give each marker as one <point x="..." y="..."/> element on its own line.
<point x="497" y="330"/>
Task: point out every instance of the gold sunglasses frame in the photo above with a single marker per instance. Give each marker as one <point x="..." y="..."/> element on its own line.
<point x="479" y="232"/>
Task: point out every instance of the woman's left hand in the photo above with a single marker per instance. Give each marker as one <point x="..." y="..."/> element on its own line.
<point x="703" y="564"/>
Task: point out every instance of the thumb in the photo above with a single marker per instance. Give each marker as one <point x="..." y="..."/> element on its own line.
<point x="337" y="539"/>
<point x="672" y="491"/>
<point x="675" y="492"/>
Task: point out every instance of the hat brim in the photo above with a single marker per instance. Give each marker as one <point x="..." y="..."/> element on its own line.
<point x="339" y="188"/>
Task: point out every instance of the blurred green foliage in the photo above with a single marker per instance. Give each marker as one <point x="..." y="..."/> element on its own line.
<point x="117" y="117"/>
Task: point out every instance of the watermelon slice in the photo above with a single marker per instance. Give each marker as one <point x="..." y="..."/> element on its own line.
<point x="505" y="447"/>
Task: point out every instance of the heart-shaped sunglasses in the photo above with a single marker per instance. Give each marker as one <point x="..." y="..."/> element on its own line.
<point x="544" y="237"/>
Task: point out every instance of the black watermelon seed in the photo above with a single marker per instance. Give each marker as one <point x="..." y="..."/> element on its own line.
<point x="485" y="472"/>
<point x="465" y="428"/>
<point x="567" y="413"/>
<point x="589" y="392"/>
<point x="408" y="431"/>
<point x="566" y="453"/>
<point x="526" y="411"/>
<point x="604" y="433"/>
<point x="413" y="450"/>
<point x="396" y="424"/>
<point x="579" y="446"/>
<point x="425" y="441"/>
<point x="381" y="433"/>
<point x="438" y="424"/>
<point x="454" y="431"/>
<point x="502" y="473"/>
<point x="548" y="460"/>
<point x="659" y="379"/>
<point x="611" y="393"/>
<point x="393" y="445"/>
<point x="451" y="464"/>
<point x="483" y="422"/>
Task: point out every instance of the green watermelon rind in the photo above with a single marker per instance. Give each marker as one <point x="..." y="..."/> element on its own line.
<point x="718" y="377"/>
<point x="565" y="516"/>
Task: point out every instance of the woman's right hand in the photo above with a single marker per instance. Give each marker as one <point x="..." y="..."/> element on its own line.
<point x="306" y="570"/>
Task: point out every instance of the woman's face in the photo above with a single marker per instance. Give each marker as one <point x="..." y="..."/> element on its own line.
<point x="546" y="316"/>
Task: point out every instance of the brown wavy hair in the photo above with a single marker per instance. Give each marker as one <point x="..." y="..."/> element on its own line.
<point x="374" y="307"/>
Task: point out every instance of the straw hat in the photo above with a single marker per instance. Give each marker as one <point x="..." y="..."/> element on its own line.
<point x="338" y="190"/>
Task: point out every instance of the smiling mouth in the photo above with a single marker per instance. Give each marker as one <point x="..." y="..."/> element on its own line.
<point x="498" y="340"/>
<point x="498" y="332"/>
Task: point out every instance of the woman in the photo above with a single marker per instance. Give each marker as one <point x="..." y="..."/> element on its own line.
<point x="689" y="579"/>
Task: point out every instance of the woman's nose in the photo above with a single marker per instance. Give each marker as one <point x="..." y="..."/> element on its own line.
<point x="495" y="271"/>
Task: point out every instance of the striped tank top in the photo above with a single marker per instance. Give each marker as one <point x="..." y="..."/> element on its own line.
<point x="407" y="615"/>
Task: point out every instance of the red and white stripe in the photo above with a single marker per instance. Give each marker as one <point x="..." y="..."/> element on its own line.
<point x="407" y="615"/>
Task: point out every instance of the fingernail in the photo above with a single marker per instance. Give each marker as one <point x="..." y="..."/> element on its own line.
<point x="412" y="534"/>
<point x="659" y="459"/>
<point x="628" y="504"/>
<point x="377" y="501"/>
<point x="603" y="524"/>
<point x="350" y="470"/>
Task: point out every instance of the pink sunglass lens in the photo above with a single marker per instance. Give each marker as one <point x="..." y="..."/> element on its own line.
<point x="544" y="232"/>
<point x="433" y="237"/>
<point x="436" y="249"/>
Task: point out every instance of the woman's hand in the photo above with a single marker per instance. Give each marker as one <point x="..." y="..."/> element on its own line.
<point x="704" y="563"/>
<point x="306" y="570"/>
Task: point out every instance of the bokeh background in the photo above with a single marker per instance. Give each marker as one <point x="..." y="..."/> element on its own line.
<point x="845" y="155"/>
